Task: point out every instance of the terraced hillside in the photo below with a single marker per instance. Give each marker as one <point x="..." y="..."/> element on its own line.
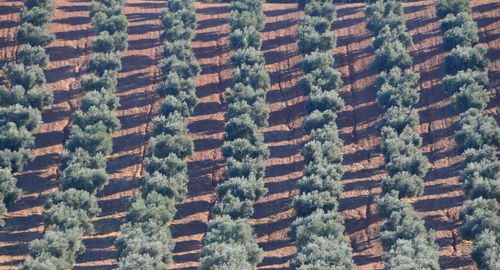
<point x="363" y="162"/>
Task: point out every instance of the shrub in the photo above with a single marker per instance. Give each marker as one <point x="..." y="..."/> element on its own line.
<point x="254" y="76"/>
<point x="146" y="238"/>
<point x="106" y="43"/>
<point x="325" y="145"/>
<point x="175" y="84"/>
<point x="97" y="115"/>
<point x="184" y="10"/>
<point x="479" y="215"/>
<point x="258" y="111"/>
<point x="476" y="130"/>
<point x="465" y="35"/>
<point x="445" y="7"/>
<point x="102" y="62"/>
<point x="389" y="35"/>
<point x="245" y="38"/>
<point x="15" y="138"/>
<point x="47" y="4"/>
<point x="38" y="16"/>
<point x="108" y="7"/>
<point x="480" y="179"/>
<point x="64" y="218"/>
<point x="106" y="81"/>
<point x="38" y="98"/>
<point x="15" y="160"/>
<point x="485" y="250"/>
<point x="82" y="178"/>
<point x="325" y="9"/>
<point x="471" y="96"/>
<point x="11" y="96"/>
<point x="94" y="139"/>
<point x="241" y="148"/>
<point x="463" y="58"/>
<point x="452" y="20"/>
<point x="229" y="243"/>
<point x="309" y="40"/>
<point x="399" y="118"/>
<point x="242" y="127"/>
<point x="111" y="24"/>
<point x="397" y="88"/>
<point x="33" y="55"/>
<point x="170" y="125"/>
<point x="324" y="253"/>
<point x="325" y="79"/>
<point x="248" y="56"/>
<point x="306" y="203"/>
<point x="22" y="116"/>
<point x="183" y="68"/>
<point x="242" y="19"/>
<point x="251" y="189"/>
<point x="34" y="35"/>
<point x="233" y="207"/>
<point x="418" y="253"/>
<point x="169" y="166"/>
<point x="152" y="207"/>
<point x="56" y="249"/>
<point x="9" y="193"/>
<point x="175" y="28"/>
<point x="81" y="157"/>
<point x="100" y="100"/>
<point x="322" y="177"/>
<point x="163" y="145"/>
<point x="392" y="55"/>
<point x="182" y="104"/>
<point x="453" y="83"/>
<point x="318" y="120"/>
<point x="407" y="184"/>
<point x="383" y="13"/>
<point x="244" y="93"/>
<point x="245" y="167"/>
<point x="168" y="186"/>
<point x="28" y="77"/>
<point x="139" y="261"/>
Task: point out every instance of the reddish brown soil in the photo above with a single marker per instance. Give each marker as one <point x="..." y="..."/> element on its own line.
<point x="363" y="162"/>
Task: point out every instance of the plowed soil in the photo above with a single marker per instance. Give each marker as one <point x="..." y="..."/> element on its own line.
<point x="363" y="161"/>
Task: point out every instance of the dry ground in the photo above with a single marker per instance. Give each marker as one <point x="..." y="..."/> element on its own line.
<point x="284" y="136"/>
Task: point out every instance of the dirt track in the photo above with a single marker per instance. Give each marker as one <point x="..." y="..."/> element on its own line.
<point x="284" y="136"/>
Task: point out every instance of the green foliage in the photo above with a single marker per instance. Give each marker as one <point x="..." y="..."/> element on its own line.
<point x="102" y="100"/>
<point x="480" y="179"/>
<point x="9" y="193"/>
<point x="38" y="16"/>
<point x="163" y="145"/>
<point x="389" y="35"/>
<point x="463" y="58"/>
<point x="397" y="88"/>
<point x="229" y="244"/>
<point x="418" y="253"/>
<point x="28" y="77"/>
<point x="102" y="62"/>
<point x="83" y="178"/>
<point x="168" y="186"/>
<point x="111" y="24"/>
<point x="94" y="139"/>
<point x="15" y="160"/>
<point x="479" y="215"/>
<point x="445" y="7"/>
<point x="476" y="130"/>
<point x="15" y="138"/>
<point x="245" y="38"/>
<point x="169" y="166"/>
<point x="398" y="118"/>
<point x="139" y="261"/>
<point x="382" y="13"/>
<point x="463" y="35"/>
<point x="34" y="35"/>
<point x="319" y="8"/>
<point x="26" y="117"/>
<point x="56" y="250"/>
<point x="471" y="96"/>
<point x="391" y="55"/>
<point x="314" y="35"/>
<point x="152" y="207"/>
<point x="408" y="185"/>
<point x="453" y="83"/>
<point x="318" y="120"/>
<point x="107" y="81"/>
<point x="486" y="251"/>
<point x="145" y="239"/>
<point x="107" y="43"/>
<point x="33" y="55"/>
<point x="47" y="4"/>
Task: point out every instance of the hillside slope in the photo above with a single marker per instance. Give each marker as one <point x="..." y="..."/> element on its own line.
<point x="273" y="215"/>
